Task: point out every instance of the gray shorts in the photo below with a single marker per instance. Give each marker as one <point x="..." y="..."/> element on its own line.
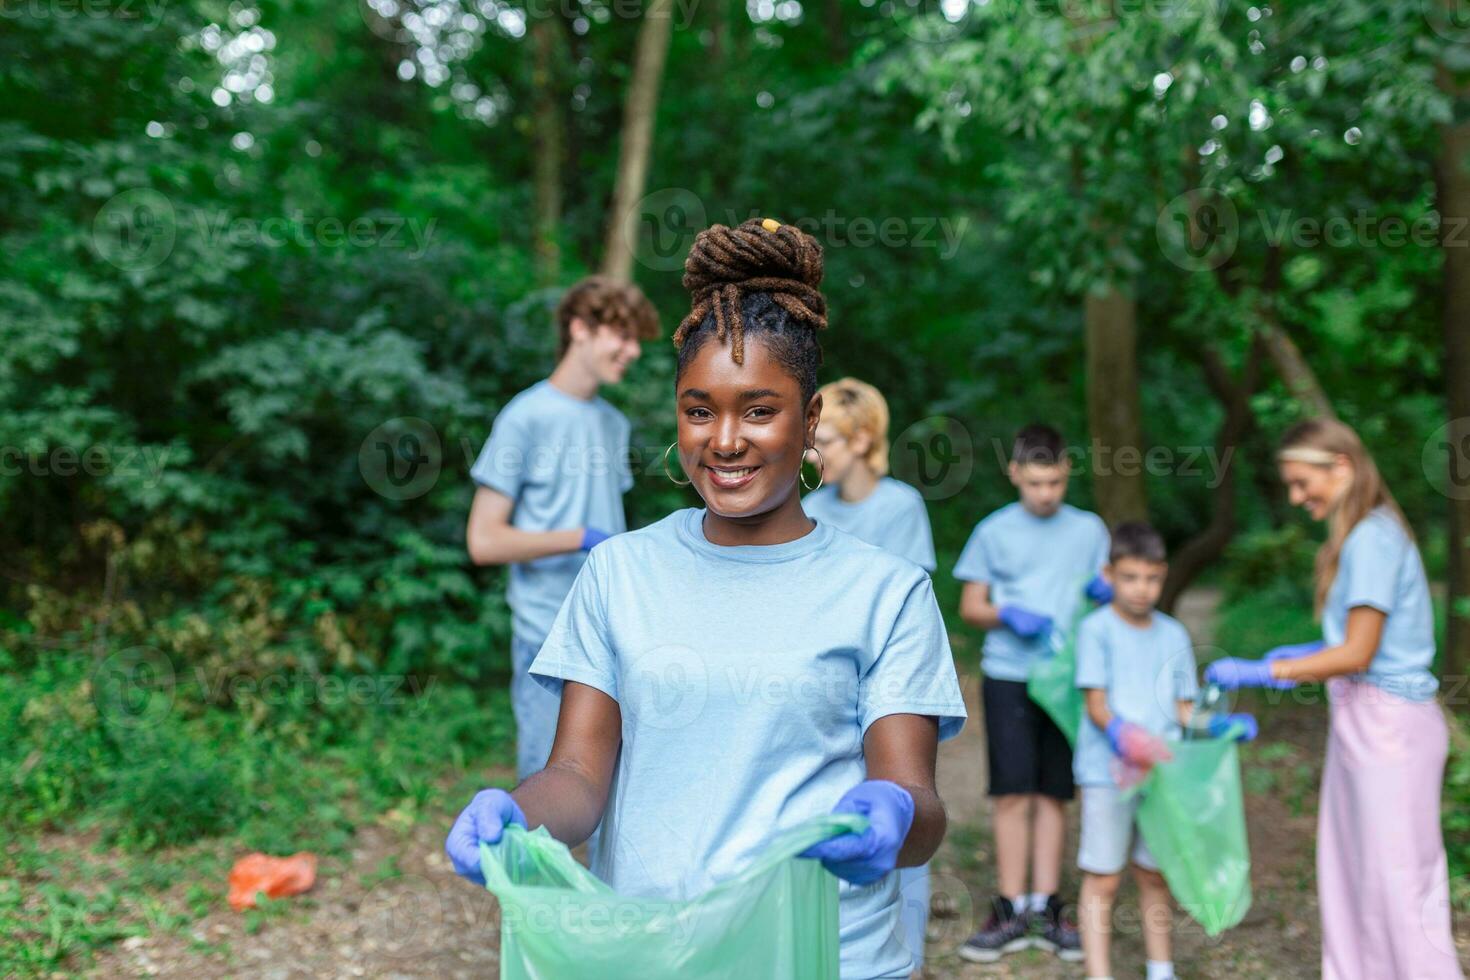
<point x="1108" y="828"/>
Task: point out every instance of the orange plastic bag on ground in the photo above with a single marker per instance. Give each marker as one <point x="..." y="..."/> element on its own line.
<point x="276" y="877"/>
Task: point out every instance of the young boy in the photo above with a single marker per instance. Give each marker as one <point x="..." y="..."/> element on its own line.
<point x="551" y="481"/>
<point x="1136" y="668"/>
<point x="1027" y="569"/>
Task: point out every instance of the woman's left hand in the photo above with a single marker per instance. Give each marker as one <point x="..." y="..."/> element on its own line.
<point x="1233" y="672"/>
<point x="866" y="857"/>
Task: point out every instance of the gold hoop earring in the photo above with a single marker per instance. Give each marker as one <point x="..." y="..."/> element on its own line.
<point x="667" y="472"/>
<point x="821" y="473"/>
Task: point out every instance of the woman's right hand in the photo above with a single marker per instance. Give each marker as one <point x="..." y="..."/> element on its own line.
<point x="485" y="819"/>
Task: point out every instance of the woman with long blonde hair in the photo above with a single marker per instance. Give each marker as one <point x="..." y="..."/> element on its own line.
<point x="1382" y="878"/>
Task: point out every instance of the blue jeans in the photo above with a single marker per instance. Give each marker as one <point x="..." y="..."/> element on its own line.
<point x="535" y="709"/>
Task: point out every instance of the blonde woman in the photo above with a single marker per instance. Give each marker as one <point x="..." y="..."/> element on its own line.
<point x="1382" y="878"/>
<point x="857" y="496"/>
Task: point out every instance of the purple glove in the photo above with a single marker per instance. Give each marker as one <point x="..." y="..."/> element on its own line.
<point x="1293" y="650"/>
<point x="592" y="537"/>
<point x="1023" y="622"/>
<point x="866" y="857"/>
<point x="1233" y="672"/>
<point x="1221" y="724"/>
<point x="1136" y="745"/>
<point x="1099" y="591"/>
<point x="485" y="819"/>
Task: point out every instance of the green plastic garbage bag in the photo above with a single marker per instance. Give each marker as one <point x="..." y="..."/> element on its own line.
<point x="1192" y="816"/>
<point x="1053" y="683"/>
<point x="776" y="920"/>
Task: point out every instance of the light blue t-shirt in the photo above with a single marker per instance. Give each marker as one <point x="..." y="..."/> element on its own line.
<point x="746" y="677"/>
<point x="893" y="517"/>
<point x="1146" y="672"/>
<point x="1039" y="563"/>
<point x="564" y="461"/>
<point x="1380" y="567"/>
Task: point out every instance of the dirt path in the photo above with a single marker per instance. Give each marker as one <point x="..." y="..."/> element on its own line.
<point x="395" y="910"/>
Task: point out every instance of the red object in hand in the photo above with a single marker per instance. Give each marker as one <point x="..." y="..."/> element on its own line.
<point x="276" y="877"/>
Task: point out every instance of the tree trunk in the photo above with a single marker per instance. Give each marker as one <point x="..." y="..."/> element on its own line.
<point x="1116" y="453"/>
<point x="548" y="125"/>
<point x="1293" y="368"/>
<point x="1285" y="355"/>
<point x="1202" y="550"/>
<point x="836" y="33"/>
<point x="638" y="116"/>
<point x="1453" y="180"/>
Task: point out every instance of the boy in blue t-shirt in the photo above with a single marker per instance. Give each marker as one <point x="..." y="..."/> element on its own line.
<point x="551" y="481"/>
<point x="1135" y="666"/>
<point x="1028" y="569"/>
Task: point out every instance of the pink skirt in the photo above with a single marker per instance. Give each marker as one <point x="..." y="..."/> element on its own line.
<point x="1382" y="879"/>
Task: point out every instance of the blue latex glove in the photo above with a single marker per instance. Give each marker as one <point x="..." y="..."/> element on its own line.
<point x="1233" y="672"/>
<point x="485" y="819"/>
<point x="1099" y="591"/>
<point x="866" y="857"/>
<point x="1023" y="622"/>
<point x="1220" y="724"/>
<point x="592" y="537"/>
<point x="1293" y="650"/>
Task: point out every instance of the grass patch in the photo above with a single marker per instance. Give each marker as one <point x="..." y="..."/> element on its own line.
<point x="123" y="823"/>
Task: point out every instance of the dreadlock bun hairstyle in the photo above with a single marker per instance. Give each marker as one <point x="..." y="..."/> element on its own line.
<point x="756" y="280"/>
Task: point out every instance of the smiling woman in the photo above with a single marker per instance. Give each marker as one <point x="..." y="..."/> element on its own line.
<point x="809" y="669"/>
<point x="748" y="414"/>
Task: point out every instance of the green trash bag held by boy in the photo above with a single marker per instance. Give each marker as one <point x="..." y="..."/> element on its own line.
<point x="1192" y="817"/>
<point x="777" y="920"/>
<point x="1053" y="682"/>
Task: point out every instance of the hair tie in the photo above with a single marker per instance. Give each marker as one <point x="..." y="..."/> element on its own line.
<point x="770" y="224"/>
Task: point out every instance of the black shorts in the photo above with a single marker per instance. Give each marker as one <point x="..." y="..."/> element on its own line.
<point x="1027" y="751"/>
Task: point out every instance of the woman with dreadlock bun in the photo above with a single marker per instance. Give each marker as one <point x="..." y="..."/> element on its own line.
<point x="735" y="669"/>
